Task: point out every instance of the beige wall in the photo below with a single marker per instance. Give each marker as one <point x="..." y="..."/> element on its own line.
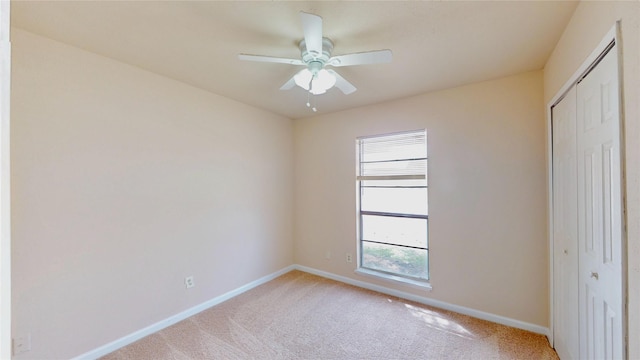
<point x="589" y="24"/>
<point x="487" y="229"/>
<point x="123" y="183"/>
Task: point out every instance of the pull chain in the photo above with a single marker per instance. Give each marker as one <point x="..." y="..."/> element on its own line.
<point x="314" y="104"/>
<point x="309" y="96"/>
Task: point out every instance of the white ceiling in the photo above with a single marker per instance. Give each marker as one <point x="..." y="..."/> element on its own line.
<point x="435" y="44"/>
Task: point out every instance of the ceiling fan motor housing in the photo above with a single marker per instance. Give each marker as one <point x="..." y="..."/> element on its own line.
<point x="313" y="59"/>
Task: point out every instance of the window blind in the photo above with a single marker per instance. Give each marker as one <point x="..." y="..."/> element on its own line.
<point x="401" y="156"/>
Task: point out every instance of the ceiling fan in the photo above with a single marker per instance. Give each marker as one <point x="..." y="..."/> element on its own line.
<point x="316" y="56"/>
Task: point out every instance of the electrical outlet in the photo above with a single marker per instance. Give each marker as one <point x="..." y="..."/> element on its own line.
<point x="188" y="282"/>
<point x="21" y="344"/>
<point x="349" y="259"/>
<point x="327" y="255"/>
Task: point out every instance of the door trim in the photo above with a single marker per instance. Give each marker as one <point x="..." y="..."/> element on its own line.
<point x="612" y="36"/>
<point x="5" y="191"/>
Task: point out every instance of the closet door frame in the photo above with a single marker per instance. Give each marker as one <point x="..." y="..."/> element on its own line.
<point x="613" y="35"/>
<point x="5" y="189"/>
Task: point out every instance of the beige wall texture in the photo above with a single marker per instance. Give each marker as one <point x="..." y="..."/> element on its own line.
<point x="487" y="209"/>
<point x="123" y="183"/>
<point x="588" y="26"/>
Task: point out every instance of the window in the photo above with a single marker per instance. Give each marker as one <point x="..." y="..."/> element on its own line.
<point x="392" y="205"/>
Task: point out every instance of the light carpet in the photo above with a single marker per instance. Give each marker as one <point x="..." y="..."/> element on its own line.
<point x="303" y="316"/>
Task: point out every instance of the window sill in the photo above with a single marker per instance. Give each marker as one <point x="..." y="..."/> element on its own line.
<point x="423" y="285"/>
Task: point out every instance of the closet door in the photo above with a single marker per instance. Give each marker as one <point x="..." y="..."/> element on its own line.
<point x="600" y="212"/>
<point x="565" y="228"/>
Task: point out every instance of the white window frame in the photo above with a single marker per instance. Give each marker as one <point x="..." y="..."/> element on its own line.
<point x="377" y="273"/>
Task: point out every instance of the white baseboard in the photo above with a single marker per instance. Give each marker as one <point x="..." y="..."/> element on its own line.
<point x="135" y="336"/>
<point x="431" y="302"/>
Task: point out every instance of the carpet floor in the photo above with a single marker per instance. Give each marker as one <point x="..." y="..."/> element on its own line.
<point x="303" y="316"/>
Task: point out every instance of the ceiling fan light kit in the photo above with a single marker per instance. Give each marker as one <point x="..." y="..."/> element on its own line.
<point x="317" y="83"/>
<point x="316" y="55"/>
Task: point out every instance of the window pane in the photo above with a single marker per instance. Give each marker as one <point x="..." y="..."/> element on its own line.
<point x="395" y="230"/>
<point x="395" y="259"/>
<point x="391" y="175"/>
<point x="395" y="200"/>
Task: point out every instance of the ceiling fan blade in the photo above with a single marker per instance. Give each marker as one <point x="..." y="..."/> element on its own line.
<point x="363" y="58"/>
<point x="289" y="84"/>
<point x="342" y="84"/>
<point x="270" y="59"/>
<point x="312" y="27"/>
